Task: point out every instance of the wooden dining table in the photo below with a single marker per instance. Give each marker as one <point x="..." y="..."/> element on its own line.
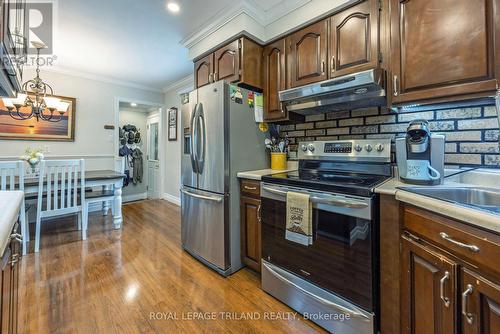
<point x="110" y="179"/>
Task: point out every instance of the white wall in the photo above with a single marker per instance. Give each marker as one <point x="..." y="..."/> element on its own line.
<point x="137" y="118"/>
<point x="95" y="102"/>
<point x="172" y="169"/>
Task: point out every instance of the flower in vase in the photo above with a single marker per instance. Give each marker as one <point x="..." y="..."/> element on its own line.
<point x="33" y="161"/>
<point x="39" y="155"/>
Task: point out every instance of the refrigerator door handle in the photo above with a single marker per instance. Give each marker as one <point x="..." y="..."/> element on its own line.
<point x="208" y="198"/>
<point x="193" y="135"/>
<point x="202" y="134"/>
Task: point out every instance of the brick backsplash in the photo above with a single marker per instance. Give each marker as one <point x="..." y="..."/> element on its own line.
<point x="471" y="133"/>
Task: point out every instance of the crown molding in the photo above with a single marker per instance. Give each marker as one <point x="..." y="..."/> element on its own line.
<point x="179" y="84"/>
<point x="274" y="13"/>
<point x="244" y="7"/>
<point x="100" y="78"/>
<point x="220" y="19"/>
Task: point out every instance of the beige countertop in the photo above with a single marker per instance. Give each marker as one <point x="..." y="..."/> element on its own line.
<point x="258" y="174"/>
<point x="10" y="204"/>
<point x="475" y="178"/>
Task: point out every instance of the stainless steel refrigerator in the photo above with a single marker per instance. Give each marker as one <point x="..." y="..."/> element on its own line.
<point x="220" y="138"/>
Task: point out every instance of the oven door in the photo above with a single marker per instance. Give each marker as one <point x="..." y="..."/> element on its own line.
<point x="340" y="257"/>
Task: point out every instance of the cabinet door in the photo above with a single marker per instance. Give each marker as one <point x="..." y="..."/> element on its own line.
<point x="14" y="303"/>
<point x="442" y="48"/>
<point x="227" y="62"/>
<point x="308" y="54"/>
<point x="480" y="304"/>
<point x="275" y="79"/>
<point x="428" y="288"/>
<point x="354" y="39"/>
<point x="250" y="232"/>
<point x="6" y="290"/>
<point x="203" y="71"/>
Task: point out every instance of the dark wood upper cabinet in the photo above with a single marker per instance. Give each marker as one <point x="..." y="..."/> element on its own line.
<point x="239" y="61"/>
<point x="354" y="39"/>
<point x="428" y="290"/>
<point x="203" y="71"/>
<point x="443" y="48"/>
<point x="480" y="309"/>
<point x="227" y="62"/>
<point x="274" y="79"/>
<point x="252" y="69"/>
<point x="307" y="59"/>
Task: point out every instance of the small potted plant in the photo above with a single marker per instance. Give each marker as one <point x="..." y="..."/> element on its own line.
<point x="32" y="156"/>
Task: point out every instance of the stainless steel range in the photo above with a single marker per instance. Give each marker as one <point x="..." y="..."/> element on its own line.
<point x="334" y="280"/>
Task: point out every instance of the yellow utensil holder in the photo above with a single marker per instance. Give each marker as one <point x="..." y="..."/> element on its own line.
<point x="278" y="160"/>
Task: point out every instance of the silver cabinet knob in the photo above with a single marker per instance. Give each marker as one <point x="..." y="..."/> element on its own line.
<point x="311" y="147"/>
<point x="379" y="147"/>
<point x="358" y="148"/>
<point x="368" y="148"/>
<point x="303" y="147"/>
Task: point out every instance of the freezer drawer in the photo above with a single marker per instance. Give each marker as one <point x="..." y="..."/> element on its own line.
<point x="204" y="230"/>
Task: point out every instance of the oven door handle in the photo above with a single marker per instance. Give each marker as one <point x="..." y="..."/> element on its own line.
<point x="351" y="311"/>
<point x="329" y="199"/>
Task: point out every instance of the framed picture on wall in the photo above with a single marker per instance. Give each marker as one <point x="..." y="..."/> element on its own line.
<point x="172" y="124"/>
<point x="30" y="129"/>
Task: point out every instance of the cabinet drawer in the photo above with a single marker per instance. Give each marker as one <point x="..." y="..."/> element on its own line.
<point x="250" y="188"/>
<point x="479" y="247"/>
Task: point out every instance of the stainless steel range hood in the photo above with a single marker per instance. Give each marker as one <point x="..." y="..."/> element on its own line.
<point x="353" y="91"/>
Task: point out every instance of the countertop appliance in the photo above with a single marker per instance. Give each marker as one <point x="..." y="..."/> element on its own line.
<point x="352" y="91"/>
<point x="335" y="277"/>
<point x="220" y="139"/>
<point x="420" y="155"/>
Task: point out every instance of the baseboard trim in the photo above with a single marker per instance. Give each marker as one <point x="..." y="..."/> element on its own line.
<point x="134" y="197"/>
<point x="172" y="199"/>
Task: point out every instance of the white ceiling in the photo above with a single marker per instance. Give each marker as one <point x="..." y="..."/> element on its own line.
<point x="136" y="41"/>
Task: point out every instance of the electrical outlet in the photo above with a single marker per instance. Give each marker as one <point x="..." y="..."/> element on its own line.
<point x="46" y="149"/>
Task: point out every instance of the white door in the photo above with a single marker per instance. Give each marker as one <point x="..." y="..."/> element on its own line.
<point x="153" y="157"/>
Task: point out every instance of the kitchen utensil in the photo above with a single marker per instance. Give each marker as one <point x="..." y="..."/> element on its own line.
<point x="282" y="146"/>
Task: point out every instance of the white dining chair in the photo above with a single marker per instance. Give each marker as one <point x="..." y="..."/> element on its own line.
<point x="106" y="196"/>
<point x="63" y="181"/>
<point x="9" y="171"/>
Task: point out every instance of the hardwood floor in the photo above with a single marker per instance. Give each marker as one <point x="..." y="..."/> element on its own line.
<point x="136" y="280"/>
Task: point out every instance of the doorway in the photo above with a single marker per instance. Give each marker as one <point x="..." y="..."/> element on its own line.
<point x="153" y="156"/>
<point x="139" y="142"/>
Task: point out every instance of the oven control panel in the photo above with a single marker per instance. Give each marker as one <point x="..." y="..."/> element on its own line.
<point x="347" y="150"/>
<point x="340" y="147"/>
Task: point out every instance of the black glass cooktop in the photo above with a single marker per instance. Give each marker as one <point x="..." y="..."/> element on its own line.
<point x="333" y="181"/>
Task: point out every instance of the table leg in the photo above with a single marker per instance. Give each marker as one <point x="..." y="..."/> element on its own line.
<point x="117" y="218"/>
<point x="105" y="205"/>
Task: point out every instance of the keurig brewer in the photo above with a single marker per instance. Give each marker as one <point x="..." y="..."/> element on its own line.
<point x="420" y="155"/>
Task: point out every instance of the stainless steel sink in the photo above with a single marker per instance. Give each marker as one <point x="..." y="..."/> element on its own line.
<point x="478" y="197"/>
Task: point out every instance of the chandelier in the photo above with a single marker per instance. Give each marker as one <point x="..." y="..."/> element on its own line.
<point x="38" y="96"/>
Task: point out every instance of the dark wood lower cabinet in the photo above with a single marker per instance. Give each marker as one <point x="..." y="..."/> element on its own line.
<point x="448" y="283"/>
<point x="480" y="304"/>
<point x="428" y="288"/>
<point x="9" y="286"/>
<point x="250" y="232"/>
